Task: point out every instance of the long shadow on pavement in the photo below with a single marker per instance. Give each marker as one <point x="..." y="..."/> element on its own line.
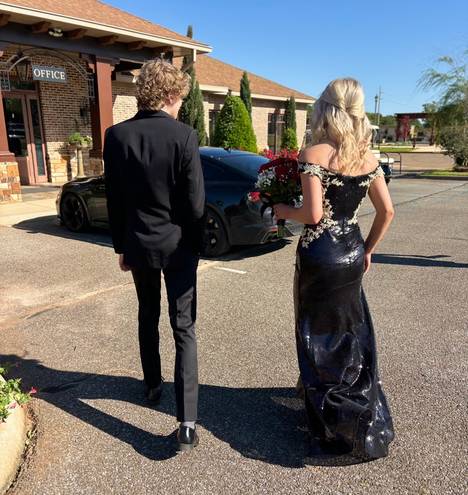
<point x="265" y="424"/>
<point x="50" y="225"/>
<point x="417" y="260"/>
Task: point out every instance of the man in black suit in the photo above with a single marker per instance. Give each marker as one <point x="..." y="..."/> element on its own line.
<point x="155" y="200"/>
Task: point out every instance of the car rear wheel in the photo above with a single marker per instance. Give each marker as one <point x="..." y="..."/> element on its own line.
<point x="73" y="213"/>
<point x="216" y="240"/>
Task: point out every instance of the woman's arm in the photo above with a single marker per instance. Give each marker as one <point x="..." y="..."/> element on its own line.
<point x="380" y="198"/>
<point x="311" y="211"/>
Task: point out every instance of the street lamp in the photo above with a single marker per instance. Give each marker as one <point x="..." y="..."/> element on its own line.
<point x="22" y="69"/>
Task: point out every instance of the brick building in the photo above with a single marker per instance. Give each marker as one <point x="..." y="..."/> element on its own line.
<point x="217" y="78"/>
<point x="67" y="66"/>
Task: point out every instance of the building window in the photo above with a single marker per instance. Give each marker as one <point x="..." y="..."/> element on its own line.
<point x="213" y="116"/>
<point x="275" y="131"/>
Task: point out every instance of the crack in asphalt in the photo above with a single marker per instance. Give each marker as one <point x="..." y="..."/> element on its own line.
<point x="39" y="310"/>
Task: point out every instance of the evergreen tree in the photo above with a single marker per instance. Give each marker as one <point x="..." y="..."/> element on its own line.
<point x="188" y="58"/>
<point x="187" y="112"/>
<point x="245" y="93"/>
<point x="289" y="138"/>
<point x="290" y="114"/>
<point x="199" y="124"/>
<point x="233" y="126"/>
<point x="192" y="112"/>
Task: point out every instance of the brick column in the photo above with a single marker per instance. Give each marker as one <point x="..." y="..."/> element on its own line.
<point x="101" y="110"/>
<point x="10" y="188"/>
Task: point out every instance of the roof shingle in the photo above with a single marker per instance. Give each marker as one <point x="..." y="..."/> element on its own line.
<point x="100" y="12"/>
<point x="214" y="72"/>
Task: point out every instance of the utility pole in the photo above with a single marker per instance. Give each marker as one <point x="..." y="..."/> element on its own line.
<point x="379" y="99"/>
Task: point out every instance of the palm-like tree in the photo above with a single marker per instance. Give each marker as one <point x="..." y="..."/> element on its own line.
<point x="449" y="115"/>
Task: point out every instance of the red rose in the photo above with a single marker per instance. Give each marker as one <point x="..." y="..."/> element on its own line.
<point x="253" y="196"/>
<point x="281" y="170"/>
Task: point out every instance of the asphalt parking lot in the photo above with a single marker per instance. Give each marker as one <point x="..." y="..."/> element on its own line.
<point x="68" y="319"/>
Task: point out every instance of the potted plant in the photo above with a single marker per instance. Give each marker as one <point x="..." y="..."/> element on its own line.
<point x="11" y="394"/>
<point x="79" y="142"/>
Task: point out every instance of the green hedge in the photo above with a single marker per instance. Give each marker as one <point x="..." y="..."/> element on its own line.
<point x="233" y="127"/>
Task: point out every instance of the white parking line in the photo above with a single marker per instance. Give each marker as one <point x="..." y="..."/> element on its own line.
<point x="241" y="272"/>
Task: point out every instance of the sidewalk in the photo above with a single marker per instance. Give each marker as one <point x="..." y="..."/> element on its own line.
<point x="38" y="201"/>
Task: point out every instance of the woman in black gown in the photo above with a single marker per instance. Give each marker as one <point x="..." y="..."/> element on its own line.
<point x="348" y="414"/>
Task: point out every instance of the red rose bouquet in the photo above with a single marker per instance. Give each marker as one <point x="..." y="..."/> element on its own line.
<point x="278" y="182"/>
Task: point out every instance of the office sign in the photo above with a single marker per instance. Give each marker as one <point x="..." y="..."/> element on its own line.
<point x="49" y="74"/>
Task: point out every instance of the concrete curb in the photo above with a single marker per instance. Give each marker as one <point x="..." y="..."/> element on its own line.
<point x="12" y="441"/>
<point x="420" y="175"/>
<point x="442" y="177"/>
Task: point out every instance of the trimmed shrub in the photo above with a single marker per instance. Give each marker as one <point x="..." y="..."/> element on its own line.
<point x="289" y="139"/>
<point x="233" y="127"/>
<point x="455" y="141"/>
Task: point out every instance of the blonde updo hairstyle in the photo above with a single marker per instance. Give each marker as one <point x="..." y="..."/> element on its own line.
<point x="339" y="117"/>
<point x="157" y="81"/>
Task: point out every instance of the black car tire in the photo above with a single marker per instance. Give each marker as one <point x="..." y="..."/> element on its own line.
<point x="216" y="241"/>
<point x="73" y="213"/>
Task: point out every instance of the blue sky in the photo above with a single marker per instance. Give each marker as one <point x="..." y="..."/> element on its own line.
<point x="304" y="44"/>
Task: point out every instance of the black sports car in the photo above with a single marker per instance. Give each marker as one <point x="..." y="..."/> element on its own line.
<point x="233" y="212"/>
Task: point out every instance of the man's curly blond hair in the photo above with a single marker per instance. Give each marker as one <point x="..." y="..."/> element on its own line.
<point x="157" y="81"/>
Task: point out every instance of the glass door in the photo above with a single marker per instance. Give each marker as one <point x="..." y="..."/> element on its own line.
<point x="37" y="140"/>
<point x="15" y="112"/>
<point x="25" y="136"/>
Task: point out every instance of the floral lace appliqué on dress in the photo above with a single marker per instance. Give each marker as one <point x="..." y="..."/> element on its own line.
<point x="342" y="197"/>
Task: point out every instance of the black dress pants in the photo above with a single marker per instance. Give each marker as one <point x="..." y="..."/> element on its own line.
<point x="180" y="276"/>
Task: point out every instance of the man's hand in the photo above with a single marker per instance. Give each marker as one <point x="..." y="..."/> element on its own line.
<point x="123" y="266"/>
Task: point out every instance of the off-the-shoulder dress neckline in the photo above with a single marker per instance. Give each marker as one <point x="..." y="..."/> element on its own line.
<point x="339" y="173"/>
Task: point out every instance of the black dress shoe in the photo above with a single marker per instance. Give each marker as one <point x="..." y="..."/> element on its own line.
<point x="154" y="394"/>
<point x="187" y="438"/>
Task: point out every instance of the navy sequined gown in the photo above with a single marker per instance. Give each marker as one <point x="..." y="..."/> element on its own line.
<point x="348" y="414"/>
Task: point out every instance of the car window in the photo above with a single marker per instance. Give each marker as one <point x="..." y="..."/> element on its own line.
<point x="216" y="172"/>
<point x="247" y="164"/>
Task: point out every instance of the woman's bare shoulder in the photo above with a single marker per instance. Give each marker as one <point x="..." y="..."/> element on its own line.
<point x="319" y="154"/>
<point x="371" y="161"/>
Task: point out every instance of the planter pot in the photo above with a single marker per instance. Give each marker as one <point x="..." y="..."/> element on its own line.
<point x="12" y="441"/>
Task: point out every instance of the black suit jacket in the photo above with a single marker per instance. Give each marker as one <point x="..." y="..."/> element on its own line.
<point x="154" y="188"/>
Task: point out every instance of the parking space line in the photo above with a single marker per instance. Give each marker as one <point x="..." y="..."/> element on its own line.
<point x="232" y="270"/>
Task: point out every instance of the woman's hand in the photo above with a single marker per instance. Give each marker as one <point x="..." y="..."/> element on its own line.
<point x="367" y="261"/>
<point x="281" y="211"/>
<point x="123" y="266"/>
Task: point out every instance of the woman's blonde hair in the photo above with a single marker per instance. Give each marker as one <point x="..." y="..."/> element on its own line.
<point x="339" y="116"/>
<point x="157" y="81"/>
